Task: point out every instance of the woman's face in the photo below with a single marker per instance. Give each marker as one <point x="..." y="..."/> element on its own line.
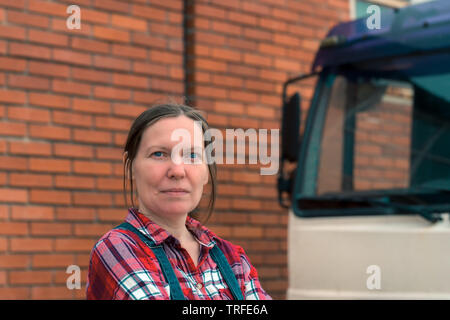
<point x="157" y="170"/>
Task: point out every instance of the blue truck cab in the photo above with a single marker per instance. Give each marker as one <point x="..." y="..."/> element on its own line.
<point x="367" y="177"/>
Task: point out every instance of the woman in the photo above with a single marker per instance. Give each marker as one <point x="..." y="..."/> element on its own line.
<point x="161" y="251"/>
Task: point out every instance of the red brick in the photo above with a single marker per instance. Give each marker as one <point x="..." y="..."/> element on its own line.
<point x="74" y="245"/>
<point x="149" y="12"/>
<point x="166" y="30"/>
<point x="28" y="50"/>
<point x="13" y="129"/>
<point x="72" y="119"/>
<point x="128" y="110"/>
<point x="8" y="293"/>
<point x="129" y="22"/>
<point x="167" y="85"/>
<point x="91" y="136"/>
<point x="71" y="56"/>
<point x="210" y="65"/>
<point x="112" y="93"/>
<point x="75" y="214"/>
<point x="91" y="106"/>
<point x="29" y="277"/>
<point x="74" y="182"/>
<point x="107" y="62"/>
<point x="105" y="153"/>
<point x="150" y="69"/>
<point x="12" y="261"/>
<point x="112" y="184"/>
<point x="226" y="54"/>
<point x="49" y="165"/>
<point x="30" y="180"/>
<point x="51" y="229"/>
<point x="112" y="123"/>
<point x="49" y="100"/>
<point x="51" y="293"/>
<point x="49" y="38"/>
<point x="12" y="32"/>
<point x="129" y="51"/>
<point x="13" y="195"/>
<point x="12" y="64"/>
<point x="72" y="150"/>
<point x="150" y="41"/>
<point x="95" y="16"/>
<point x="49" y="132"/>
<point x="48" y="69"/>
<point x="90" y="167"/>
<point x="28" y="114"/>
<point x="70" y="87"/>
<point x="89" y="45"/>
<point x="128" y="80"/>
<point x="111" y="214"/>
<point x="166" y="57"/>
<point x="33" y="213"/>
<point x="28" y="82"/>
<point x="34" y="20"/>
<point x="92" y="199"/>
<point x="14" y="228"/>
<point x="111" y="34"/>
<point x="10" y="96"/>
<point x="247" y="232"/>
<point x="52" y="260"/>
<point x="50" y="197"/>
<point x="50" y="8"/>
<point x="84" y="229"/>
<point x="30" y="148"/>
<point x="91" y="75"/>
<point x="13" y="3"/>
<point x="259" y="60"/>
<point x="31" y="245"/>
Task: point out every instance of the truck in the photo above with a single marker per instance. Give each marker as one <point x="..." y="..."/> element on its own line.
<point x="365" y="175"/>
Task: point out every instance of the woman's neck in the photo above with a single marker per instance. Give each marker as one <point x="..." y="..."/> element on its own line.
<point x="175" y="226"/>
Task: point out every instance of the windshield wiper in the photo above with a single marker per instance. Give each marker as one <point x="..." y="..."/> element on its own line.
<point x="428" y="214"/>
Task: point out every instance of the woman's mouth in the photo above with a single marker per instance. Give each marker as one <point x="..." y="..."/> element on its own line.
<point x="175" y="192"/>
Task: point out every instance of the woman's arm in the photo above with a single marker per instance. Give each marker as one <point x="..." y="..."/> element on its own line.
<point x="121" y="270"/>
<point x="253" y="288"/>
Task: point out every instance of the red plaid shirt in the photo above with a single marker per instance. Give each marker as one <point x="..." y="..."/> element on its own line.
<point x="124" y="267"/>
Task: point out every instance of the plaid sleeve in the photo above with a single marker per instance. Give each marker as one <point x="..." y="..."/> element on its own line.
<point x="120" y="269"/>
<point x="253" y="288"/>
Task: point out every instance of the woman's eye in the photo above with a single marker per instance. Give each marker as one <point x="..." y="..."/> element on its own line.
<point x="157" y="154"/>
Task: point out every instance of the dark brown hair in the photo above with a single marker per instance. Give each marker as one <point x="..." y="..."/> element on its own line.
<point x="146" y="119"/>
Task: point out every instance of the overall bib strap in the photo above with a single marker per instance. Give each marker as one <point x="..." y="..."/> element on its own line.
<point x="226" y="271"/>
<point x="175" y="290"/>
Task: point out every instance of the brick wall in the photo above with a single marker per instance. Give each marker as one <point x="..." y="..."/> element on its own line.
<point x="68" y="98"/>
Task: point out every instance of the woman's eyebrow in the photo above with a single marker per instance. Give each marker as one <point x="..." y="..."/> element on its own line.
<point x="156" y="147"/>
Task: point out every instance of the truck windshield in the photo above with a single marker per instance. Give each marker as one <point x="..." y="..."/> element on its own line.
<point x="379" y="137"/>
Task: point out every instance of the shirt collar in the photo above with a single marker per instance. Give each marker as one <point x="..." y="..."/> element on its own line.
<point x="149" y="228"/>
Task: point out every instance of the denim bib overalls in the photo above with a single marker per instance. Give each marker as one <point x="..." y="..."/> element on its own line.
<point x="175" y="290"/>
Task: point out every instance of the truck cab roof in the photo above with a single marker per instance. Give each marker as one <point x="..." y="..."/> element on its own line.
<point x="410" y="31"/>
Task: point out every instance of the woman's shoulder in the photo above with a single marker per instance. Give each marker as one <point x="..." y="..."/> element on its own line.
<point x="116" y="237"/>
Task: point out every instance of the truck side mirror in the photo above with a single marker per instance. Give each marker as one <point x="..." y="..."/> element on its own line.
<point x="290" y="128"/>
<point x="290" y="143"/>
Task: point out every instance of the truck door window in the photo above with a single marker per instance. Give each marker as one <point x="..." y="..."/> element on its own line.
<point x="366" y="138"/>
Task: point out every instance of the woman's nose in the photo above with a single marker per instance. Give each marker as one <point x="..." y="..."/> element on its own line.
<point x="176" y="170"/>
